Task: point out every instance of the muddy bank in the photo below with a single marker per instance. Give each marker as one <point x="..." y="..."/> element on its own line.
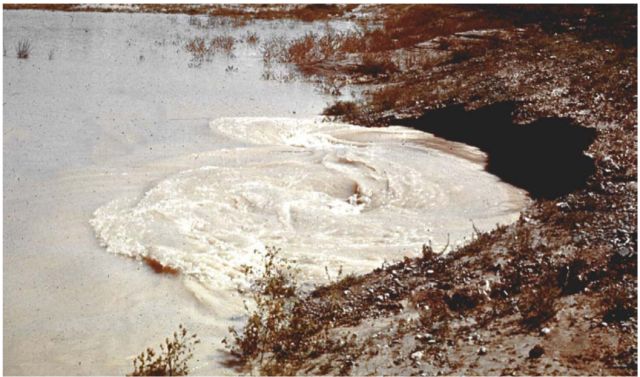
<point x="545" y="157"/>
<point x="554" y="293"/>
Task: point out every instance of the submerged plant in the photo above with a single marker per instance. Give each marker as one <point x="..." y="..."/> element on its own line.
<point x="223" y="43"/>
<point x="252" y="38"/>
<point x="23" y="49"/>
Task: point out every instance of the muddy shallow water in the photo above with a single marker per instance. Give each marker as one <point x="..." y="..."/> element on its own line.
<point x="117" y="143"/>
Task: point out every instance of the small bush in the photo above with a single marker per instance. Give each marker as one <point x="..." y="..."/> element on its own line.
<point x="282" y="332"/>
<point x="275" y="293"/>
<point x="618" y="305"/>
<point x="197" y="47"/>
<point x="23" y="49"/>
<point x="537" y="306"/>
<point x="172" y="359"/>
<point x="373" y="65"/>
<point x="251" y="38"/>
<point x="274" y="50"/>
<point x="224" y="43"/>
<point x="434" y="312"/>
<point x="463" y="299"/>
<point x="340" y="108"/>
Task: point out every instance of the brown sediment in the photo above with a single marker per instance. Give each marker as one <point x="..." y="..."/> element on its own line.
<point x="158" y="268"/>
<point x="303" y="12"/>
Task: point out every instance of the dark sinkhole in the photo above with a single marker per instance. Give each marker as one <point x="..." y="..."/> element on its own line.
<point x="545" y="157"/>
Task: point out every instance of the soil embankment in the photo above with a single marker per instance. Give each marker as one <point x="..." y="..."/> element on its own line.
<point x="552" y="99"/>
<point x="545" y="157"/>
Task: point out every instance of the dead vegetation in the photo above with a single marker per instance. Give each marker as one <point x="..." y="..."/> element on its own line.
<point x="202" y="51"/>
<point x="173" y="358"/>
<point x="251" y="38"/>
<point x="159" y="268"/>
<point x="280" y="334"/>
<point x="23" y="49"/>
<point x="223" y="43"/>
<point x="233" y="13"/>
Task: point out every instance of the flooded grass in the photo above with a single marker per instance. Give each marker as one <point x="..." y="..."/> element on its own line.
<point x="159" y="268"/>
<point x="23" y="49"/>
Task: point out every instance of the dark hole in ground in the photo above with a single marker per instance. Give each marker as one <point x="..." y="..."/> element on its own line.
<point x="545" y="157"/>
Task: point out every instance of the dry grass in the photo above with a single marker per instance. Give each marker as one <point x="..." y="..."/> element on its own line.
<point x="376" y="65"/>
<point x="23" y="49"/>
<point x="223" y="43"/>
<point x="340" y="108"/>
<point x="282" y="332"/>
<point x="618" y="303"/>
<point x="172" y="360"/>
<point x="307" y="12"/>
<point x="252" y="38"/>
<point x="197" y="47"/>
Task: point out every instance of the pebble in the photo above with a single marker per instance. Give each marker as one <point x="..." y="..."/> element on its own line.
<point x="536" y="352"/>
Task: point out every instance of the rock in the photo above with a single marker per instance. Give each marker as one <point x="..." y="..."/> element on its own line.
<point x="545" y="331"/>
<point x="624" y="252"/>
<point x="536" y="352"/>
<point x="482" y="351"/>
<point x="417" y="355"/>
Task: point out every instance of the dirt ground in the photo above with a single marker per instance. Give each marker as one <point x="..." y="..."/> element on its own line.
<point x="554" y="293"/>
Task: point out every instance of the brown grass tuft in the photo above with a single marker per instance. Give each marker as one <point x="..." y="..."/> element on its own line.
<point x="23" y="49"/>
<point x="172" y="359"/>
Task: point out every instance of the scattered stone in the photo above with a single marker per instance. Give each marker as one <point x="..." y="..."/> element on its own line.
<point x="536" y="352"/>
<point x="545" y="331"/>
<point x="624" y="252"/>
<point x="482" y="351"/>
<point x="417" y="355"/>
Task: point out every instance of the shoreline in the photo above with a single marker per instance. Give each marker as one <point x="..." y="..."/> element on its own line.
<point x="577" y="246"/>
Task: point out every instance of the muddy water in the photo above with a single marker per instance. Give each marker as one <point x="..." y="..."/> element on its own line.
<point x="116" y="144"/>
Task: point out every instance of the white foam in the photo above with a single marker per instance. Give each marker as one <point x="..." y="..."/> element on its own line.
<point x="328" y="194"/>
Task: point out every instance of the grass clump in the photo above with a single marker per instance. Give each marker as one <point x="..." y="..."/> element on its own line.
<point x="537" y="306"/>
<point x="282" y="332"/>
<point x="376" y="65"/>
<point x="172" y="360"/>
<point x="252" y="38"/>
<point x="23" y="49"/>
<point x="222" y="43"/>
<point x="618" y="304"/>
<point x="340" y="108"/>
<point x="197" y="47"/>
